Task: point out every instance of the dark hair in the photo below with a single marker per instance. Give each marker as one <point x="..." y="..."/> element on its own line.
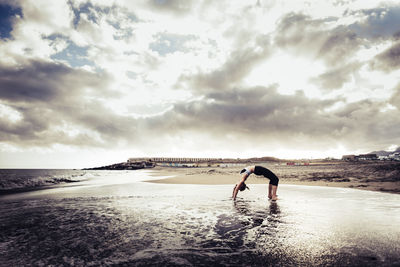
<point x="243" y="187"/>
<point x="242" y="171"/>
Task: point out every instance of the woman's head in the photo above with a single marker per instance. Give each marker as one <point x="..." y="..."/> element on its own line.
<point x="243" y="187"/>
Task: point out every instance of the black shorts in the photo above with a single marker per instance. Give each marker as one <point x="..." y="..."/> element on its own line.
<point x="273" y="179"/>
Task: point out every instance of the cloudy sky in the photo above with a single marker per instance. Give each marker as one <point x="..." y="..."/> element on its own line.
<point x="88" y="83"/>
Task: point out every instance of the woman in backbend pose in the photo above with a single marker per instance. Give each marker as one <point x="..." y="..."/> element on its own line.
<point x="257" y="170"/>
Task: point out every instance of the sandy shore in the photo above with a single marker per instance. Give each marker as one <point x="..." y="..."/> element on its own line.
<point x="375" y="176"/>
<point x="115" y="218"/>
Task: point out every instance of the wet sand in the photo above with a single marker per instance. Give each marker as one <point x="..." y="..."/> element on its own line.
<point x="377" y="176"/>
<point x="117" y="219"/>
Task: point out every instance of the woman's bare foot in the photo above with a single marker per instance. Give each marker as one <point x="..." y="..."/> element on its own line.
<point x="274" y="198"/>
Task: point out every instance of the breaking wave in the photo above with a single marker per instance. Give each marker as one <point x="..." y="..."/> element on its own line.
<point x="15" y="180"/>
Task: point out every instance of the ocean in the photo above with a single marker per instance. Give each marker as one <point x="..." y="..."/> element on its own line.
<point x="19" y="180"/>
<point x="115" y="218"/>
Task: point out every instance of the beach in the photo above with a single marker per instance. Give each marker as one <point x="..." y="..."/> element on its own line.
<point x="152" y="217"/>
<point x="375" y="176"/>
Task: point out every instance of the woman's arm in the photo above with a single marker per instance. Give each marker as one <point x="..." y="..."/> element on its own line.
<point x="233" y="193"/>
<point x="237" y="186"/>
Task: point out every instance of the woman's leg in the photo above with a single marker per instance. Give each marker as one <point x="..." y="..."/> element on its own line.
<point x="273" y="183"/>
<point x="270" y="191"/>
<point x="274" y="189"/>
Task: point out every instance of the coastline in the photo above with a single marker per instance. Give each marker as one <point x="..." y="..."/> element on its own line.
<point x="301" y="175"/>
<point x="115" y="218"/>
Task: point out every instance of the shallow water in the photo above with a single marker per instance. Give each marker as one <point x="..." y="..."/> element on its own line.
<point x="115" y="219"/>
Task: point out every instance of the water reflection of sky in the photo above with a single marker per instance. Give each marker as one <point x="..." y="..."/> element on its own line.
<point x="130" y="223"/>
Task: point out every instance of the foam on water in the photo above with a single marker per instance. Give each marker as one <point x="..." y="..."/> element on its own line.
<point x="139" y="223"/>
<point x="20" y="180"/>
<point x="26" y="179"/>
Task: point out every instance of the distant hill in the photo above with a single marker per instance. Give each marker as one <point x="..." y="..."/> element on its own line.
<point x="385" y="153"/>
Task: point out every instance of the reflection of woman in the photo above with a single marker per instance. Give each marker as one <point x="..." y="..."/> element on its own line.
<point x="243" y="208"/>
<point x="257" y="215"/>
<point x="274" y="208"/>
<point x="257" y="170"/>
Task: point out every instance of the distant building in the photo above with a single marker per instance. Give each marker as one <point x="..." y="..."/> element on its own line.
<point x="383" y="157"/>
<point x="349" y="157"/>
<point x="367" y="157"/>
<point x="395" y="156"/>
<point x="360" y="157"/>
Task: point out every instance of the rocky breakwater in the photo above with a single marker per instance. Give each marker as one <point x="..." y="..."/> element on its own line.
<point x="125" y="166"/>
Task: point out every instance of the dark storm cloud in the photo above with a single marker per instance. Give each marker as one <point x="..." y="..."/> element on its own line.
<point x="39" y="127"/>
<point x="241" y="110"/>
<point x="35" y="121"/>
<point x="339" y="44"/>
<point x="388" y="60"/>
<point x="335" y="78"/>
<point x="239" y="63"/>
<point x="42" y="125"/>
<point x="249" y="113"/>
<point x="305" y="36"/>
<point x="261" y="113"/>
<point x="112" y="127"/>
<point x="395" y="99"/>
<point x="49" y="97"/>
<point x="367" y="124"/>
<point x="44" y="81"/>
